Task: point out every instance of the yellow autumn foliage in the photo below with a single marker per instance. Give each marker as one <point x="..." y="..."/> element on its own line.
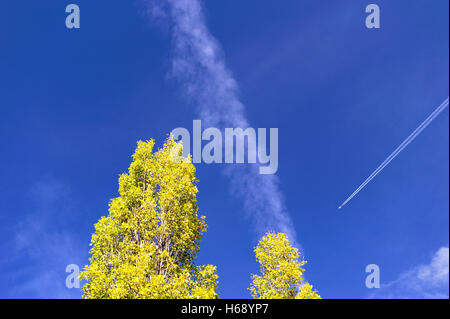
<point x="146" y="246"/>
<point x="281" y="271"/>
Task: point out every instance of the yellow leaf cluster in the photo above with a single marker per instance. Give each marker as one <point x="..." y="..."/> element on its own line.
<point x="281" y="271"/>
<point x="146" y="246"/>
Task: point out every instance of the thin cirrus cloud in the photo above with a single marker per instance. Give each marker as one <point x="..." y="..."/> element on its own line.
<point x="44" y="245"/>
<point x="199" y="67"/>
<point x="428" y="281"/>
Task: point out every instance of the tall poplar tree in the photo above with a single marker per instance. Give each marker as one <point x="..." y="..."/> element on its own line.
<point x="281" y="271"/>
<point x="146" y="246"/>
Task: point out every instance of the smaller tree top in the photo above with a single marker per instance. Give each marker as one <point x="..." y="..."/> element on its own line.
<point x="281" y="271"/>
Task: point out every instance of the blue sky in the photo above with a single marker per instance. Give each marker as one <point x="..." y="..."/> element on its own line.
<point x="73" y="103"/>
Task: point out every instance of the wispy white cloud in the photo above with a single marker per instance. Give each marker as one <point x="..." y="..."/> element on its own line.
<point x="198" y="64"/>
<point x="429" y="281"/>
<point x="45" y="243"/>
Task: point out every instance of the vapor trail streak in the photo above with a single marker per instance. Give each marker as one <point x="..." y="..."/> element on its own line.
<point x="400" y="148"/>
<point x="199" y="66"/>
<point x="404" y="144"/>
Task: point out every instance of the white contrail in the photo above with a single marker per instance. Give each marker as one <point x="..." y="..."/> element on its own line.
<point x="200" y="67"/>
<point x="405" y="143"/>
<point x="400" y="148"/>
